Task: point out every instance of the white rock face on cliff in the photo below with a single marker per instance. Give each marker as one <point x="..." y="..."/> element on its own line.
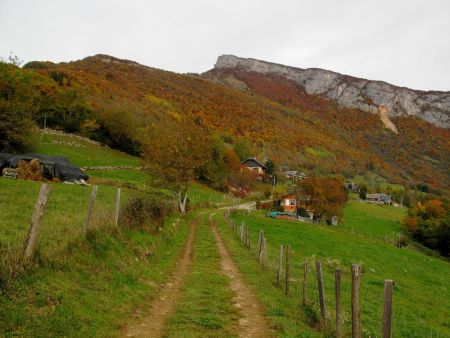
<point x="372" y="96"/>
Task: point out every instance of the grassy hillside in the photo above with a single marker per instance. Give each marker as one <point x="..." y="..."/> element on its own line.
<point x="82" y="152"/>
<point x="77" y="287"/>
<point x="81" y="287"/>
<point x="372" y="220"/>
<point x="421" y="294"/>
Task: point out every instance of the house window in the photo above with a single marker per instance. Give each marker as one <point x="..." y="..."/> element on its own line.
<point x="292" y="202"/>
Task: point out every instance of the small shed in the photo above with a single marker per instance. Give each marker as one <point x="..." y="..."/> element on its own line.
<point x="289" y="203"/>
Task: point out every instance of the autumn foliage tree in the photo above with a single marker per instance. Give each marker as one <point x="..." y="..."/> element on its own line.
<point x="17" y="105"/>
<point x="171" y="153"/>
<point x="429" y="223"/>
<point x="325" y="196"/>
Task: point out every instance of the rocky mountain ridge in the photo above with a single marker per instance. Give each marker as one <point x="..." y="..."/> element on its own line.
<point x="384" y="99"/>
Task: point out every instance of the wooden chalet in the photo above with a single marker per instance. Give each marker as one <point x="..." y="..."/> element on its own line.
<point x="254" y="166"/>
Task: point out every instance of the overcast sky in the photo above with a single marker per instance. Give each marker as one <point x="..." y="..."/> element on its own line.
<point x="404" y="42"/>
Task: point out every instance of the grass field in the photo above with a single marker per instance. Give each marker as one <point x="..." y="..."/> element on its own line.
<point x="372" y="220"/>
<point x="205" y="308"/>
<point x="421" y="294"/>
<point x="83" y="153"/>
<point x="81" y="287"/>
<point x="88" y="287"/>
<point x="283" y="312"/>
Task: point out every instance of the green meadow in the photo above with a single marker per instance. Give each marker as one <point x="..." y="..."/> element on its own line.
<point x="421" y="294"/>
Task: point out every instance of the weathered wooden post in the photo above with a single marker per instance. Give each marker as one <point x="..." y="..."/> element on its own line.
<point x="305" y="282"/>
<point x="249" y="240"/>
<point x="337" y="287"/>
<point x="387" y="310"/>
<point x="36" y="219"/>
<point x="117" y="208"/>
<point x="356" y="309"/>
<point x="280" y="266"/>
<point x="264" y="252"/>
<point x="90" y="210"/>
<point x="288" y="269"/>
<point x="323" y="312"/>
<point x="260" y="242"/>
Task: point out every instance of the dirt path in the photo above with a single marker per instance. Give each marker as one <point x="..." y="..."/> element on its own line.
<point x="252" y="323"/>
<point x="151" y="323"/>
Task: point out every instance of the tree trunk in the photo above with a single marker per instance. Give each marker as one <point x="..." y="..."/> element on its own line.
<point x="183" y="200"/>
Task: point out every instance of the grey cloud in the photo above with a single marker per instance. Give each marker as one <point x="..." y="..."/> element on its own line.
<point x="405" y="42"/>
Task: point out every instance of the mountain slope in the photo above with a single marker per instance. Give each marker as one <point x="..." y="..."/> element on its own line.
<point x="372" y="96"/>
<point x="277" y="116"/>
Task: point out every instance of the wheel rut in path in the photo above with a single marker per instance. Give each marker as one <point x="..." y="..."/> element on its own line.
<point x="252" y="323"/>
<point x="151" y="323"/>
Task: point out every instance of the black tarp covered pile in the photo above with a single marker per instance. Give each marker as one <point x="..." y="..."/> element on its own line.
<point x="51" y="166"/>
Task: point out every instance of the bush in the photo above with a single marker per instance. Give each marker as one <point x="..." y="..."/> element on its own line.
<point x="429" y="224"/>
<point x="147" y="212"/>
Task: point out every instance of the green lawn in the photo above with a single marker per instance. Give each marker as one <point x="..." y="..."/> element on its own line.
<point x="421" y="296"/>
<point x="206" y="307"/>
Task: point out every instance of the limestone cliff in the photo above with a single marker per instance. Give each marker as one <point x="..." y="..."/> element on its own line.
<point x="376" y="97"/>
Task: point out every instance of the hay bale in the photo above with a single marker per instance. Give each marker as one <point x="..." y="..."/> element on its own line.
<point x="30" y="170"/>
<point x="21" y="169"/>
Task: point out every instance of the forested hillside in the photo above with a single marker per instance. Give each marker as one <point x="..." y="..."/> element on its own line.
<point x="113" y="100"/>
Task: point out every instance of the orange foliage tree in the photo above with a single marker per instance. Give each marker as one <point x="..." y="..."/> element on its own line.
<point x="171" y="152"/>
<point x="325" y="196"/>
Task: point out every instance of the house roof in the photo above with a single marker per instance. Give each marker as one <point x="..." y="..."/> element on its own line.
<point x="377" y="195"/>
<point x="253" y="163"/>
<point x="288" y="196"/>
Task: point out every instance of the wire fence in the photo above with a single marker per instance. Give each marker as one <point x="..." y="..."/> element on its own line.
<point x="306" y="280"/>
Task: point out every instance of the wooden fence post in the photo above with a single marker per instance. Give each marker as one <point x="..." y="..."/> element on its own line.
<point x="305" y="282"/>
<point x="90" y="209"/>
<point x="280" y="266"/>
<point x="387" y="310"/>
<point x="264" y="260"/>
<point x="356" y="309"/>
<point x="288" y="269"/>
<point x="337" y="286"/>
<point x="117" y="209"/>
<point x="260" y="242"/>
<point x="249" y="242"/>
<point x="35" y="225"/>
<point x="323" y="312"/>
